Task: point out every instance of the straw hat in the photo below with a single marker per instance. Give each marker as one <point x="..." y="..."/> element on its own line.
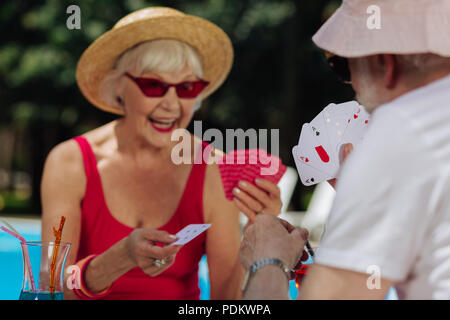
<point x="406" y="27"/>
<point x="211" y="42"/>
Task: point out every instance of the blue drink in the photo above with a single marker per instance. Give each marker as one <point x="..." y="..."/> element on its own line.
<point x="43" y="295"/>
<point x="42" y="272"/>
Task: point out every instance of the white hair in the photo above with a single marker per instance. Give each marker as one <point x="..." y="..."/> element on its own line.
<point x="422" y="63"/>
<point x="368" y="95"/>
<point x="413" y="66"/>
<point x="162" y="55"/>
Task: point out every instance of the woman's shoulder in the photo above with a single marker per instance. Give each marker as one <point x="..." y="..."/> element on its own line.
<point x="64" y="166"/>
<point x="69" y="154"/>
<point x="66" y="152"/>
<point x="101" y="138"/>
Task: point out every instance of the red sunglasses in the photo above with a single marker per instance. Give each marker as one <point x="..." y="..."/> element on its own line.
<point x="155" y="88"/>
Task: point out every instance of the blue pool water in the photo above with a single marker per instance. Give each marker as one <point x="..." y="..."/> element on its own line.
<point x="11" y="265"/>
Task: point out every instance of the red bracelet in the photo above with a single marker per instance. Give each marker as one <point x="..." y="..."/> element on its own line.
<point x="81" y="291"/>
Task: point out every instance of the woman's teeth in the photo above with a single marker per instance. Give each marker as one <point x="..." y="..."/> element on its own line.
<point x="163" y="123"/>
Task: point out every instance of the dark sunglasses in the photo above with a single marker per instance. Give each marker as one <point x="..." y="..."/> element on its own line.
<point x="340" y="67"/>
<point x="155" y="88"/>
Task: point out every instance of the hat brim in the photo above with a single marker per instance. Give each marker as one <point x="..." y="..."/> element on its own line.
<point x="211" y="42"/>
<point x="404" y="29"/>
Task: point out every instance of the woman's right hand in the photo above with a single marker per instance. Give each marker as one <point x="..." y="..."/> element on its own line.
<point x="143" y="249"/>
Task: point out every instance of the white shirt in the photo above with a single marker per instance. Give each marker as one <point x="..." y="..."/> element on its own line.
<point x="392" y="206"/>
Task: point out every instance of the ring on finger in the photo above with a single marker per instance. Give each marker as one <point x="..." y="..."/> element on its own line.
<point x="159" y="262"/>
<point x="260" y="211"/>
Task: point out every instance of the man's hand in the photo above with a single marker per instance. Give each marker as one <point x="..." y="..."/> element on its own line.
<point x="271" y="237"/>
<point x="345" y="151"/>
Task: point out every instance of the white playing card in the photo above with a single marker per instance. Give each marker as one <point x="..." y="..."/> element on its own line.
<point x="308" y="175"/>
<point x="337" y="118"/>
<point x="356" y="128"/>
<point x="190" y="232"/>
<point x="320" y="132"/>
<point x="365" y="120"/>
<point x="311" y="153"/>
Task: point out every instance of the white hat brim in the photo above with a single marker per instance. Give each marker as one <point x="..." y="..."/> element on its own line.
<point x="406" y="27"/>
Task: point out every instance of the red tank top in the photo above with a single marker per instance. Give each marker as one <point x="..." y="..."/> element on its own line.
<point x="100" y="230"/>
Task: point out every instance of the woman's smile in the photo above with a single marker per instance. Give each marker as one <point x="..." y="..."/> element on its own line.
<point x="163" y="124"/>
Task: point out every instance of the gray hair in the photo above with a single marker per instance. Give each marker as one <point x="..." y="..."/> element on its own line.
<point x="422" y="63"/>
<point x="162" y="55"/>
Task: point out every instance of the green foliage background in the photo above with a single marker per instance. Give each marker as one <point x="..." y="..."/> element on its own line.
<point x="279" y="78"/>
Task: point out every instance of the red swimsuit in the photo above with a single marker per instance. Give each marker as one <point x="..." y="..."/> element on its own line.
<point x="100" y="230"/>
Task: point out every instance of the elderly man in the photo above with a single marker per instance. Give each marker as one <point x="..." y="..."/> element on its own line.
<point x="390" y="223"/>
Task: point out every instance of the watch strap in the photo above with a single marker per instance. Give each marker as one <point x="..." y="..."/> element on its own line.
<point x="261" y="263"/>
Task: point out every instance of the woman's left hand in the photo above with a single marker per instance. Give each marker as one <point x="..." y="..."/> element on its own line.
<point x="262" y="198"/>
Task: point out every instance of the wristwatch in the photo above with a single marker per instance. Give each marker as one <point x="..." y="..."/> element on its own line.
<point x="261" y="263"/>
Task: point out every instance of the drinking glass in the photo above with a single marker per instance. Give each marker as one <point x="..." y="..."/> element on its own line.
<point x="43" y="268"/>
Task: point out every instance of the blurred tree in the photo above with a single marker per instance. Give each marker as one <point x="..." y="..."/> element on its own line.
<point x="279" y="78"/>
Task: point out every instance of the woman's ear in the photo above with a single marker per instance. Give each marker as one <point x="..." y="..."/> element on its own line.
<point x="119" y="91"/>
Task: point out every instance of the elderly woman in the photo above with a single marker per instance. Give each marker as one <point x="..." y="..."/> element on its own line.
<point x="123" y="197"/>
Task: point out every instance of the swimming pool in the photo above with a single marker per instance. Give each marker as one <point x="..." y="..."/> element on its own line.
<point x="11" y="264"/>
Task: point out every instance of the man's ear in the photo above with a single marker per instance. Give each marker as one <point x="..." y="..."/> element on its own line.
<point x="390" y="70"/>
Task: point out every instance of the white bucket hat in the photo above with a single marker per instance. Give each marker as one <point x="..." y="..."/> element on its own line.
<point x="405" y="27"/>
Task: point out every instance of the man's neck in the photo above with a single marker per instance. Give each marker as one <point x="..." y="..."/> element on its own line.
<point x="414" y="84"/>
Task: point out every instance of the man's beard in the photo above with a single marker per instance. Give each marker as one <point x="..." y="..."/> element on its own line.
<point x="368" y="95"/>
<point x="367" y="99"/>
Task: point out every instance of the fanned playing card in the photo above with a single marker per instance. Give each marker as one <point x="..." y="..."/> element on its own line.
<point x="317" y="155"/>
<point x="337" y="119"/>
<point x="356" y="128"/>
<point x="309" y="176"/>
<point x="248" y="165"/>
<point x="314" y="152"/>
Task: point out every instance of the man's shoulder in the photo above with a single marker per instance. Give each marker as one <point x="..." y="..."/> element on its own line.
<point x="391" y="132"/>
<point x="418" y="122"/>
<point x="393" y="149"/>
<point x="423" y="110"/>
